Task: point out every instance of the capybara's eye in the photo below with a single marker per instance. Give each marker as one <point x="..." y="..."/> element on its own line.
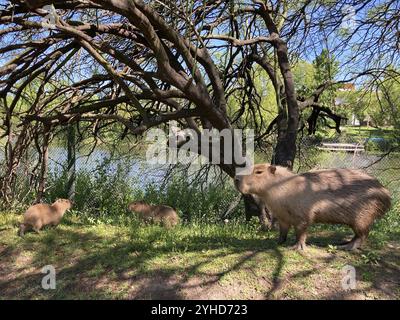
<point x="258" y="172"/>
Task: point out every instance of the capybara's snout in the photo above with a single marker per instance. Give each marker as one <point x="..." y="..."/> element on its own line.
<point x="241" y="183"/>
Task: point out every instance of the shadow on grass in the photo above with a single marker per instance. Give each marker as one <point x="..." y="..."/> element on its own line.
<point x="86" y="262"/>
<point x="93" y="266"/>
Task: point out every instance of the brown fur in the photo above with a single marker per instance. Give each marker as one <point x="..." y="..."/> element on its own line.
<point x="164" y="215"/>
<point x="42" y="214"/>
<point x="337" y="196"/>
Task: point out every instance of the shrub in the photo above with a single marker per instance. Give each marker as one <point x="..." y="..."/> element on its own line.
<point x="105" y="194"/>
<point x="191" y="199"/>
<point x="377" y="144"/>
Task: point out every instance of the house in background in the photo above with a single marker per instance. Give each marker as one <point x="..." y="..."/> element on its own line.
<point x="348" y="87"/>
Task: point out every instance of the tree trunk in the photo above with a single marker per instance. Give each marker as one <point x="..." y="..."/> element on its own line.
<point x="44" y="167"/>
<point x="288" y="120"/>
<point x="71" y="162"/>
<point x="288" y="123"/>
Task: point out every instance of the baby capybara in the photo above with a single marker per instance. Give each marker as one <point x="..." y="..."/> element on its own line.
<point x="337" y="196"/>
<point x="164" y="215"/>
<point x="42" y="214"/>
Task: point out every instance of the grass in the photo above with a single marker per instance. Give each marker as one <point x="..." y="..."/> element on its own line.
<point x="359" y="134"/>
<point x="363" y="132"/>
<point x="126" y="260"/>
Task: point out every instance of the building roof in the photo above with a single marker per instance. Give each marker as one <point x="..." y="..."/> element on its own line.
<point x="348" y="87"/>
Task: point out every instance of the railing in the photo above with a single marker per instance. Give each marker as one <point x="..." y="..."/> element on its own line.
<point x="347" y="147"/>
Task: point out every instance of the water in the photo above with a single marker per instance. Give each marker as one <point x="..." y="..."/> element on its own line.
<point x="138" y="168"/>
<point x="145" y="173"/>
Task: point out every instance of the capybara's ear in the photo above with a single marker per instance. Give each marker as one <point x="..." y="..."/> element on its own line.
<point x="272" y="169"/>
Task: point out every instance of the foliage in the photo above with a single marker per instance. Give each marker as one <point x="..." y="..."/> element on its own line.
<point x="104" y="194"/>
<point x="388" y="96"/>
<point x="378" y="144"/>
<point x="326" y="69"/>
<point x="191" y="200"/>
<point x="304" y="77"/>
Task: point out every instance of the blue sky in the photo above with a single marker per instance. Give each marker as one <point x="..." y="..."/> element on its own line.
<point x="326" y="39"/>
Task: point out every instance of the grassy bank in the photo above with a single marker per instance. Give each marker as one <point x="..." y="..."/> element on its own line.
<point x="363" y="132"/>
<point x="125" y="260"/>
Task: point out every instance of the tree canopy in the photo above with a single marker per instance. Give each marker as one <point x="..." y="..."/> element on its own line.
<point x="139" y="64"/>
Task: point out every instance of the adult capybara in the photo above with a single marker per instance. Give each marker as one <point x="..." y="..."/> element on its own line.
<point x="164" y="215"/>
<point x="338" y="196"/>
<point x="42" y="214"/>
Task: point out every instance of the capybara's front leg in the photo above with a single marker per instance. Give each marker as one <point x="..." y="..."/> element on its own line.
<point x="22" y="228"/>
<point x="36" y="229"/>
<point x="301" y="236"/>
<point x="264" y="220"/>
<point x="283" y="232"/>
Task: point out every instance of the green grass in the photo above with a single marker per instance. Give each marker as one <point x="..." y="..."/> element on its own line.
<point x="126" y="260"/>
<point x="359" y="134"/>
<point x="363" y="132"/>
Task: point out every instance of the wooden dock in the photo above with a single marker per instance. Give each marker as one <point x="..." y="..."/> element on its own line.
<point x="342" y="147"/>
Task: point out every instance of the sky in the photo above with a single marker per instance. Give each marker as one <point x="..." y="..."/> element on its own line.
<point x="325" y="38"/>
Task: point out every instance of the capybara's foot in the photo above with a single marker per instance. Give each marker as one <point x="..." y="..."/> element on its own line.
<point x="352" y="245"/>
<point x="299" y="246"/>
<point x="348" y="247"/>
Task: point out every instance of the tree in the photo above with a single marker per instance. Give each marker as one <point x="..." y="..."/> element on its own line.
<point x="142" y="63"/>
<point x="387" y="101"/>
<point x="326" y="69"/>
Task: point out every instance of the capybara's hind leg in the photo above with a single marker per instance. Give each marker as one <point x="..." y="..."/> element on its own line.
<point x="283" y="232"/>
<point x="361" y="233"/>
<point x="355" y="243"/>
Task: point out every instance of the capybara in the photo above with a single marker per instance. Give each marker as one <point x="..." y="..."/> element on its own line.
<point x="164" y="215"/>
<point x="337" y="196"/>
<point x="42" y="214"/>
